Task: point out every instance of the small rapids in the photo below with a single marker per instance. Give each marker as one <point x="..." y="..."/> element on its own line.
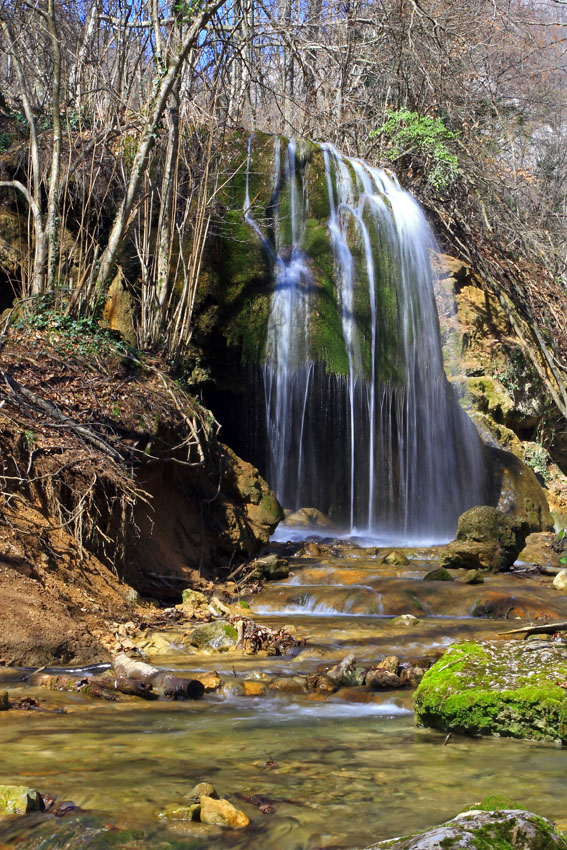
<point x="343" y="770"/>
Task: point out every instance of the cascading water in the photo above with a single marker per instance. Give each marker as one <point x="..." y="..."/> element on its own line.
<point x="379" y="442"/>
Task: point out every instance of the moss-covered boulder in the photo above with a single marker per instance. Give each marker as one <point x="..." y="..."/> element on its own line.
<point x="244" y="483"/>
<point x="510" y="688"/>
<point x="486" y="539"/>
<point x="506" y="829"/>
<point x="218" y="636"/>
<point x="19" y="800"/>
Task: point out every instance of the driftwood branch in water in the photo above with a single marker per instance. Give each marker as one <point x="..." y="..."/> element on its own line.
<point x="545" y="629"/>
<point x="548" y="570"/>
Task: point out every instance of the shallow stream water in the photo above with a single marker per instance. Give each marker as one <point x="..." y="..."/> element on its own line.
<point x="342" y="771"/>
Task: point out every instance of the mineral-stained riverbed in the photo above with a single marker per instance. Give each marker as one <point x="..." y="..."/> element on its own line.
<point x="340" y="771"/>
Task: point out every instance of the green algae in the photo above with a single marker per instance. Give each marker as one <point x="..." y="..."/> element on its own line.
<point x="470" y="691"/>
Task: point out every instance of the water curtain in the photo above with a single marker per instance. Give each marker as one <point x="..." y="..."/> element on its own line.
<point x="361" y="421"/>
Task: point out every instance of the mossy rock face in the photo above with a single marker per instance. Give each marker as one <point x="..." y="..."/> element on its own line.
<point x="517" y="491"/>
<point x="507" y="688"/>
<point x="507" y="829"/>
<point x="19" y="800"/>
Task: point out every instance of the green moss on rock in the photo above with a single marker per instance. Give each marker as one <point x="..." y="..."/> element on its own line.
<point x="508" y="688"/>
<point x="508" y="829"/>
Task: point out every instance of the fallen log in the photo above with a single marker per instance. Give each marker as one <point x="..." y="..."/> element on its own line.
<point x="164" y="683"/>
<point x="178" y="687"/>
<point x="132" y="669"/>
<point x="545" y="629"/>
<point x="130" y="687"/>
<point x="102" y="687"/>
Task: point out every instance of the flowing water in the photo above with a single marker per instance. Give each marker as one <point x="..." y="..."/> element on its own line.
<point x="341" y="771"/>
<point x="381" y="445"/>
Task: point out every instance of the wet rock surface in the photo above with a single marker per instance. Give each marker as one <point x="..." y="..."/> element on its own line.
<point x="486" y="539"/>
<point x="478" y="830"/>
<point x="508" y="688"/>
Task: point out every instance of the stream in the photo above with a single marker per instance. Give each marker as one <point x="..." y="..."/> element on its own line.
<point x="340" y="771"/>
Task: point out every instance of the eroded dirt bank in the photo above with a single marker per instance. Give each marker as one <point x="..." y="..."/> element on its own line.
<point x="113" y="485"/>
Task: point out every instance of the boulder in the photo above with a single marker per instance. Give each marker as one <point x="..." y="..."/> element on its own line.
<point x="517" y="491"/>
<point x="471" y="577"/>
<point x="269" y="568"/>
<point x="410" y="677"/>
<point x="390" y="663"/>
<point x="211" y="681"/>
<point x="308" y="518"/>
<point x="346" y="672"/>
<point x="199" y="790"/>
<point x="254" y="688"/>
<point x="380" y="678"/>
<point x="217" y="636"/>
<point x="396" y="559"/>
<point x="439" y="574"/>
<point x="193" y="599"/>
<point x="560" y="581"/>
<point x="244" y="483"/>
<point x="19" y="800"/>
<point x="486" y="539"/>
<point x="222" y="813"/>
<point x="508" y="688"/>
<point x="504" y="829"/>
<point x="406" y="620"/>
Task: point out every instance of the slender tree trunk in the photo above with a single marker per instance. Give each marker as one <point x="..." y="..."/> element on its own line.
<point x="156" y="109"/>
<point x="33" y="197"/>
<point x="167" y="209"/>
<point x="52" y="225"/>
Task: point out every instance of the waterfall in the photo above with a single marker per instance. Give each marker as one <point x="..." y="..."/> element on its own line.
<point x="360" y="419"/>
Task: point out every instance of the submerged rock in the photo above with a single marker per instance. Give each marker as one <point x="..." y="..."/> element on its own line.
<point x="440" y="574"/>
<point x="471" y="577"/>
<point x="222" y="813"/>
<point x="507" y="829"/>
<point x="510" y="688"/>
<point x="184" y="813"/>
<point x="19" y="800"/>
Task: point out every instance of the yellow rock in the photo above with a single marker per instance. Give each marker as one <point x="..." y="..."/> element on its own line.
<point x="211" y="681"/>
<point x="254" y="688"/>
<point x="222" y="813"/>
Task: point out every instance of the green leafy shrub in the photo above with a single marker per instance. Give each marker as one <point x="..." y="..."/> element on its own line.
<point x="82" y="335"/>
<point x="410" y="134"/>
<point x="537" y="458"/>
